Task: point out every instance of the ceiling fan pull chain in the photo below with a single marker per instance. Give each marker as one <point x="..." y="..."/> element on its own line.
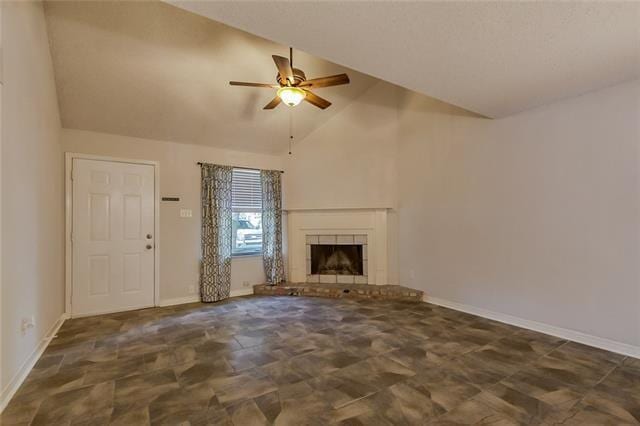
<point x="290" y="130"/>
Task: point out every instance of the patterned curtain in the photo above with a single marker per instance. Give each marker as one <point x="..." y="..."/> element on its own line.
<point x="215" y="267"/>
<point x="272" y="226"/>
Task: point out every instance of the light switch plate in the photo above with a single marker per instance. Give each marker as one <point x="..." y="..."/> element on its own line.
<point x="186" y="213"/>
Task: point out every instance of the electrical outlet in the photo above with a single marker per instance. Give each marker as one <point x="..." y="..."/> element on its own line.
<point x="412" y="275"/>
<point x="246" y="284"/>
<point x="27" y="323"/>
<point x="192" y="289"/>
<point x="186" y="213"/>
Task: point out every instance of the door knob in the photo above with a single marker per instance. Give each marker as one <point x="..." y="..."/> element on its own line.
<point x="149" y="246"/>
<point x="149" y="236"/>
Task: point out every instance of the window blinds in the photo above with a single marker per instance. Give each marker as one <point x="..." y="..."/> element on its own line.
<point x="246" y="190"/>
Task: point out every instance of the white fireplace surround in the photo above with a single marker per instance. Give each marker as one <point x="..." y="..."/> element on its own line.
<point x="369" y="222"/>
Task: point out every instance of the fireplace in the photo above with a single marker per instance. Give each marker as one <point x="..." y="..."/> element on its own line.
<point x="335" y="259"/>
<point x="340" y="259"/>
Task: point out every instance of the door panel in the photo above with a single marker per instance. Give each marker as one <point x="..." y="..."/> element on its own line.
<point x="99" y="216"/>
<point x="132" y="217"/>
<point x="132" y="267"/>
<point x="113" y="260"/>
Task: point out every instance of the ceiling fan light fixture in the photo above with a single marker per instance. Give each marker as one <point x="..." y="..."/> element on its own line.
<point x="291" y="96"/>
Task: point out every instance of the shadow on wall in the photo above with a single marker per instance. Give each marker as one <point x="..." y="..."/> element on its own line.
<point x="390" y="97"/>
<point x="409" y="100"/>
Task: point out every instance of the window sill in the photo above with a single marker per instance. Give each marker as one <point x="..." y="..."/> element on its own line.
<point x="248" y="255"/>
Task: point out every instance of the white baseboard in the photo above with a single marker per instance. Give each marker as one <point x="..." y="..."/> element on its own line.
<point x="110" y="311"/>
<point x="29" y="362"/>
<point x="196" y="298"/>
<point x="564" y="333"/>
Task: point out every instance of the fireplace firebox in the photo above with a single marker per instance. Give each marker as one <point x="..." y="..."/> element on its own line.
<point x="340" y="259"/>
<point x="334" y="259"/>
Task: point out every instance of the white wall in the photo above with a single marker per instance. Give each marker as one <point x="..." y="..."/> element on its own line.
<point x="535" y="215"/>
<point x="32" y="196"/>
<point x="179" y="177"/>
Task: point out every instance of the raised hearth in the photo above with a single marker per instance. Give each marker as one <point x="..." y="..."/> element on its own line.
<point x="352" y="291"/>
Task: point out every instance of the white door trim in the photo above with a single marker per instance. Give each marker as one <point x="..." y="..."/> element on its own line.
<point x="68" y="193"/>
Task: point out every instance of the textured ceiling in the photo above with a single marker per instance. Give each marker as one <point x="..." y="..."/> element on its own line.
<point x="494" y="58"/>
<point x="151" y="70"/>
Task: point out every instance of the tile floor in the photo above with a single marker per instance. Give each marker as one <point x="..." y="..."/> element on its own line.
<point x="309" y="361"/>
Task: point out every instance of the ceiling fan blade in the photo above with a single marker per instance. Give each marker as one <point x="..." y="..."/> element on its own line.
<point x="244" y="83"/>
<point x="316" y="100"/>
<point x="274" y="103"/>
<point x="284" y="67"/>
<point x="333" y="80"/>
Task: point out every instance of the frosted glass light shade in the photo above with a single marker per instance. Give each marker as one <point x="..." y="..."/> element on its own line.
<point x="291" y="96"/>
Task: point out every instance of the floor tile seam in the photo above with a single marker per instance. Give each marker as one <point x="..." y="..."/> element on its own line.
<point x="493" y="410"/>
<point x="579" y="363"/>
<point x="353" y="401"/>
<point x="464" y="401"/>
<point x="533" y="361"/>
<point x="473" y="385"/>
<point x="591" y="390"/>
<point x="69" y="353"/>
<point x="508" y="376"/>
<point x="128" y="376"/>
<point x="579" y="400"/>
<point x="491" y="342"/>
<point x="603" y="378"/>
<point x="33" y="416"/>
<point x="566" y="342"/>
<point x="35" y="413"/>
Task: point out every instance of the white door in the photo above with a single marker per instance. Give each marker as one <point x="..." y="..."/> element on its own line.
<point x="112" y="236"/>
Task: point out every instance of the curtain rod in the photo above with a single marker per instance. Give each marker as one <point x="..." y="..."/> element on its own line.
<point x="200" y="163"/>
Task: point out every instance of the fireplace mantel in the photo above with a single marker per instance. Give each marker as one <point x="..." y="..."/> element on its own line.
<point x="370" y="222"/>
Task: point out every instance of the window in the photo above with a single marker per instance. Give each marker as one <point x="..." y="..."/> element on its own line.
<point x="247" y="212"/>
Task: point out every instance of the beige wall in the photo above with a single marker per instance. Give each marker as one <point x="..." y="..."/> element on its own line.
<point x="2" y="385"/>
<point x="535" y="215"/>
<point x="350" y="162"/>
<point x="179" y="177"/>
<point x="32" y="196"/>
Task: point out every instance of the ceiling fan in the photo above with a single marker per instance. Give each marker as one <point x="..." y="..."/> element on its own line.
<point x="293" y="86"/>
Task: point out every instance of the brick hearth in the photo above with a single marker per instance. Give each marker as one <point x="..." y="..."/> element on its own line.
<point x="352" y="291"/>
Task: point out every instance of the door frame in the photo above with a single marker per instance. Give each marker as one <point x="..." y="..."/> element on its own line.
<point x="68" y="207"/>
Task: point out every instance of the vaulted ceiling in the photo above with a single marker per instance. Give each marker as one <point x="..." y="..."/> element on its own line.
<point x="157" y="71"/>
<point x="492" y="57"/>
<point x="152" y="70"/>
